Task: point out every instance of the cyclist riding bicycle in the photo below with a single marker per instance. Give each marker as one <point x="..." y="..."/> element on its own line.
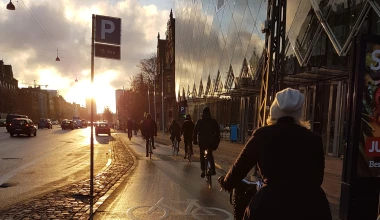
<point x="175" y="131"/>
<point x="130" y="128"/>
<point x="149" y="130"/>
<point x="206" y="130"/>
<point x="286" y="142"/>
<point x="187" y="132"/>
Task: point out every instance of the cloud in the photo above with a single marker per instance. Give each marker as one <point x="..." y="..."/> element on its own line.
<point x="32" y="33"/>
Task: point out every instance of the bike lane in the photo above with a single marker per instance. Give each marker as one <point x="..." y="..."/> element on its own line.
<point x="166" y="187"/>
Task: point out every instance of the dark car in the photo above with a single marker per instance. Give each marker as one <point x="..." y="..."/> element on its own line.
<point x="10" y="117"/>
<point x="3" y="122"/>
<point x="67" y="124"/>
<point x="45" y="123"/>
<point x="102" y="128"/>
<point x="22" y="126"/>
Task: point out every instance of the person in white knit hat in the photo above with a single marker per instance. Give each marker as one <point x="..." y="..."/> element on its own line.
<point x="288" y="102"/>
<point x="286" y="143"/>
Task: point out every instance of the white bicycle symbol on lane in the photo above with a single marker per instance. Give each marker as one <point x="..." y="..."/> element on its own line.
<point x="160" y="210"/>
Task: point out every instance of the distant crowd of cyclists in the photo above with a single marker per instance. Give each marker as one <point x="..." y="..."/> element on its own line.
<point x="203" y="133"/>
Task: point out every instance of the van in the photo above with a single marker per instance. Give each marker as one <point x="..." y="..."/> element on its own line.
<point x="9" y="119"/>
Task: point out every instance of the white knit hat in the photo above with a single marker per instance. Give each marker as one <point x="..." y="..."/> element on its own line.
<point x="288" y="102"/>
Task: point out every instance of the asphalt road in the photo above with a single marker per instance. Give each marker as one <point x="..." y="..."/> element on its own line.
<point x="168" y="186"/>
<point x="31" y="166"/>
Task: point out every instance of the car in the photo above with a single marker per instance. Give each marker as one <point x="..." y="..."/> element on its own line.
<point x="102" y="128"/>
<point x="10" y="117"/>
<point x="78" y="123"/>
<point x="84" y="123"/>
<point x="54" y="122"/>
<point x="45" y="123"/>
<point x="22" y="126"/>
<point x="67" y="124"/>
<point x="3" y="122"/>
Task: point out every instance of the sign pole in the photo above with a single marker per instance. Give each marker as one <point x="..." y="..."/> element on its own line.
<point x="92" y="122"/>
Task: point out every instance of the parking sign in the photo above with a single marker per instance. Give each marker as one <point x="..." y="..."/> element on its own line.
<point x="108" y="30"/>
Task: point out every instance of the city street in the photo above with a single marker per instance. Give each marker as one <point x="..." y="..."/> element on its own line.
<point x="168" y="184"/>
<point x="32" y="166"/>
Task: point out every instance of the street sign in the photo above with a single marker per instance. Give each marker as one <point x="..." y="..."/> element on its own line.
<point x="183" y="110"/>
<point x="108" y="30"/>
<point x="107" y="51"/>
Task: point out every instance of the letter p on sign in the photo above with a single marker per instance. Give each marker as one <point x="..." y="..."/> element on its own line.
<point x="108" y="30"/>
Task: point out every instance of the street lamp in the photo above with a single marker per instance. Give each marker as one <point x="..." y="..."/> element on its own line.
<point x="10" y="6"/>
<point x="57" y="59"/>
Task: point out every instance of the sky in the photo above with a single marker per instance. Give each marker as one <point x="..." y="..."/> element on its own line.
<point x="34" y="34"/>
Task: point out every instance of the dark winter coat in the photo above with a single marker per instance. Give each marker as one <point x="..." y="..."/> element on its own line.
<point x="291" y="161"/>
<point x="187" y="129"/>
<point x="174" y="129"/>
<point x="205" y="129"/>
<point x="149" y="128"/>
<point x="130" y="124"/>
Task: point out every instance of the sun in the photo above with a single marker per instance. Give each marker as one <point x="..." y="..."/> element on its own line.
<point x="103" y="94"/>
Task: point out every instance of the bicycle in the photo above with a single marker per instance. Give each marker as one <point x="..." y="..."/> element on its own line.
<point x="208" y="170"/>
<point x="175" y="147"/>
<point x="161" y="210"/>
<point x="129" y="134"/>
<point x="150" y="147"/>
<point x="242" y="194"/>
<point x="189" y="152"/>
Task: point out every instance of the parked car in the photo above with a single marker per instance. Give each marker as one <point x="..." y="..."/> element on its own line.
<point x="54" y="122"/>
<point x="22" y="126"/>
<point x="10" y="117"/>
<point x="3" y="122"/>
<point x="67" y="124"/>
<point x="45" y="123"/>
<point x="102" y="128"/>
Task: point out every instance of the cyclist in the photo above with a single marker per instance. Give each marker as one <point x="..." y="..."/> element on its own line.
<point x="187" y="132"/>
<point x="205" y="130"/>
<point x="130" y="128"/>
<point x="149" y="129"/>
<point x="175" y="132"/>
<point x="285" y="142"/>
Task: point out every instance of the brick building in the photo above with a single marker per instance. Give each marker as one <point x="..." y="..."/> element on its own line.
<point x="8" y="90"/>
<point x="165" y="77"/>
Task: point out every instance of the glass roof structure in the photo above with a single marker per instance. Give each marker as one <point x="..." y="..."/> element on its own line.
<point x="219" y="43"/>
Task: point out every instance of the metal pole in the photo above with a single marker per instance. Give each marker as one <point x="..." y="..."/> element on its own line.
<point x="154" y="94"/>
<point x="162" y="97"/>
<point x="92" y="121"/>
<point x="148" y="95"/>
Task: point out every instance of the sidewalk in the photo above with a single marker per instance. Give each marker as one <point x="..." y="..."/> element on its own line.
<point x="228" y="151"/>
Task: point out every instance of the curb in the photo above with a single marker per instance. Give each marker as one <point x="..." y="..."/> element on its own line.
<point x="108" y="193"/>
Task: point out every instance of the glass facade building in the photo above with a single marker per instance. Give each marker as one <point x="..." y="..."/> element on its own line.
<point x="214" y="38"/>
<point x="219" y="44"/>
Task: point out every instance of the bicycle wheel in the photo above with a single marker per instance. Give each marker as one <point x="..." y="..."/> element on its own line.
<point x="173" y="147"/>
<point x="150" y="149"/>
<point x="208" y="174"/>
<point x="177" y="147"/>
<point x="189" y="153"/>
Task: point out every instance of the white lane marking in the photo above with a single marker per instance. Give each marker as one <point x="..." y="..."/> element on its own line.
<point x="161" y="210"/>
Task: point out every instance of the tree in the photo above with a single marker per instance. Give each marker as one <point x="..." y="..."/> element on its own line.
<point x="148" y="68"/>
<point x="107" y="114"/>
